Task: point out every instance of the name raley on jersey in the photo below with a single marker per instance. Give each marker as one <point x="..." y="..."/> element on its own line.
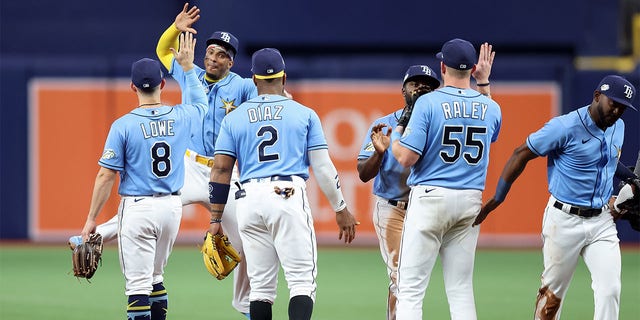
<point x="157" y="128"/>
<point x="459" y="109"/>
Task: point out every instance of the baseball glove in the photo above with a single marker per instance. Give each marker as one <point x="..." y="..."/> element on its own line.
<point x="628" y="203"/>
<point x="406" y="113"/>
<point x="86" y="256"/>
<point x="220" y="257"/>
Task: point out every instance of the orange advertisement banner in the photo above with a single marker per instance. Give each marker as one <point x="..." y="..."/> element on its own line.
<point x="70" y="120"/>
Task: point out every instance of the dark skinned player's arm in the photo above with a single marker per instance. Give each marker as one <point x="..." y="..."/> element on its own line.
<point x="511" y="171"/>
<point x="369" y="168"/>
<point x="169" y="39"/>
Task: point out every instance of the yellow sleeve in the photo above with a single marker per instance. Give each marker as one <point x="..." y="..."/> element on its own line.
<point x="169" y="39"/>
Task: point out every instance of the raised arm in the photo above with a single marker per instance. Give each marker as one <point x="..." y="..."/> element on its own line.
<point x="369" y="168"/>
<point x="483" y="69"/>
<point x="169" y="39"/>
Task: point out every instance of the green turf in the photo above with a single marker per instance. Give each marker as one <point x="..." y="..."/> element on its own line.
<point x="36" y="284"/>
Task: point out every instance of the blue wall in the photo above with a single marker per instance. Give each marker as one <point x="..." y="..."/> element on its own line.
<point x="357" y="39"/>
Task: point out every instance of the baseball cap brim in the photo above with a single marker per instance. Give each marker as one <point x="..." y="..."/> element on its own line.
<point x="223" y="44"/>
<point x="433" y="82"/>
<point x="622" y="102"/>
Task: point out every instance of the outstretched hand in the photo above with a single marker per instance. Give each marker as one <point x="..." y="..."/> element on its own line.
<point x="186" y="18"/>
<point x="184" y="56"/>
<point x="485" y="210"/>
<point x="347" y="224"/>
<point x="485" y="62"/>
<point x="379" y="139"/>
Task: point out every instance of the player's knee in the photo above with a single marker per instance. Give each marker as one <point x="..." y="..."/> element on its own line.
<point x="608" y="290"/>
<point x="547" y="304"/>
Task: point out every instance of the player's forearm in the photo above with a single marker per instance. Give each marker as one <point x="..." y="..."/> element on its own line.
<point x="369" y="168"/>
<point x="484" y="88"/>
<point x="169" y="39"/>
<point x="512" y="170"/>
<point x="404" y="155"/>
<point x="327" y="177"/>
<point x="101" y="191"/>
<point x="194" y="91"/>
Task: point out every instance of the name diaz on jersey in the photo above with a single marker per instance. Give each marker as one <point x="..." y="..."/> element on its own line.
<point x="265" y="113"/>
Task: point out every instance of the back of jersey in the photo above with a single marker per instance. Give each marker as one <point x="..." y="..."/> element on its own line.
<point x="452" y="129"/>
<point x="271" y="135"/>
<point x="147" y="146"/>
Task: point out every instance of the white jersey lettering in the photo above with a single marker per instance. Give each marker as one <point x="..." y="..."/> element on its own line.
<point x="264" y="113"/>
<point x="477" y="110"/>
<point x="160" y="128"/>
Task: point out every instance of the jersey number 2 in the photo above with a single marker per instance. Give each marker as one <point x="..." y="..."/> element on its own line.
<point x="273" y="138"/>
<point x="160" y="153"/>
<point x="449" y="138"/>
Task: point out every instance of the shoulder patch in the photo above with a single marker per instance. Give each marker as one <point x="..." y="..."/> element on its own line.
<point x="369" y="147"/>
<point x="108" y="154"/>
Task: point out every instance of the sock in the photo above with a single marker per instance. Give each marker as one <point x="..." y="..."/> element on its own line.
<point x="300" y="308"/>
<point x="260" y="310"/>
<point x="159" y="302"/>
<point x="138" y="308"/>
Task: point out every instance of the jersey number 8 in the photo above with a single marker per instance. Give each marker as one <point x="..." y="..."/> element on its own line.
<point x="161" y="164"/>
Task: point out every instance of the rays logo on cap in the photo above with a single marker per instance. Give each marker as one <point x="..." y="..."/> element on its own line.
<point x="628" y="92"/>
<point x="225" y="36"/>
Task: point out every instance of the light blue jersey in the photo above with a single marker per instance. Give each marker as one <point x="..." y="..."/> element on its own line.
<point x="452" y="130"/>
<point x="391" y="181"/>
<point x="581" y="157"/>
<point x="147" y="145"/>
<point x="271" y="135"/>
<point x="224" y="96"/>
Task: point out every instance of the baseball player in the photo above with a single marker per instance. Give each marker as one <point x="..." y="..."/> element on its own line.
<point x="225" y="90"/>
<point x="275" y="139"/>
<point x="146" y="146"/>
<point x="582" y="150"/>
<point x="376" y="161"/>
<point x="446" y="143"/>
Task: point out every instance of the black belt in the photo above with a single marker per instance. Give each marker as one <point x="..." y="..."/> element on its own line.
<point x="272" y="178"/>
<point x="398" y="203"/>
<point x="582" y="212"/>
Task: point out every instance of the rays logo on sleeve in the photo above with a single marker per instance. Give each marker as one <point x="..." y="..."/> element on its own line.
<point x="108" y="154"/>
<point x="369" y="147"/>
<point x="228" y="106"/>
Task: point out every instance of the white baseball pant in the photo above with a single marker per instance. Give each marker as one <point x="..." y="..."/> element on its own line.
<point x="566" y="237"/>
<point x="196" y="190"/>
<point x="388" y="220"/>
<point x="148" y="227"/>
<point x="277" y="231"/>
<point x="438" y="221"/>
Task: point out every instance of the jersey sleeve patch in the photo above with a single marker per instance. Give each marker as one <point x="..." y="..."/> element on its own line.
<point x="108" y="154"/>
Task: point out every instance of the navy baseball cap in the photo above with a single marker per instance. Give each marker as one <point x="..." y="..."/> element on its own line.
<point x="224" y="39"/>
<point x="267" y="63"/>
<point x="618" y="89"/>
<point x="458" y="54"/>
<point x="422" y="71"/>
<point x="146" y="73"/>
